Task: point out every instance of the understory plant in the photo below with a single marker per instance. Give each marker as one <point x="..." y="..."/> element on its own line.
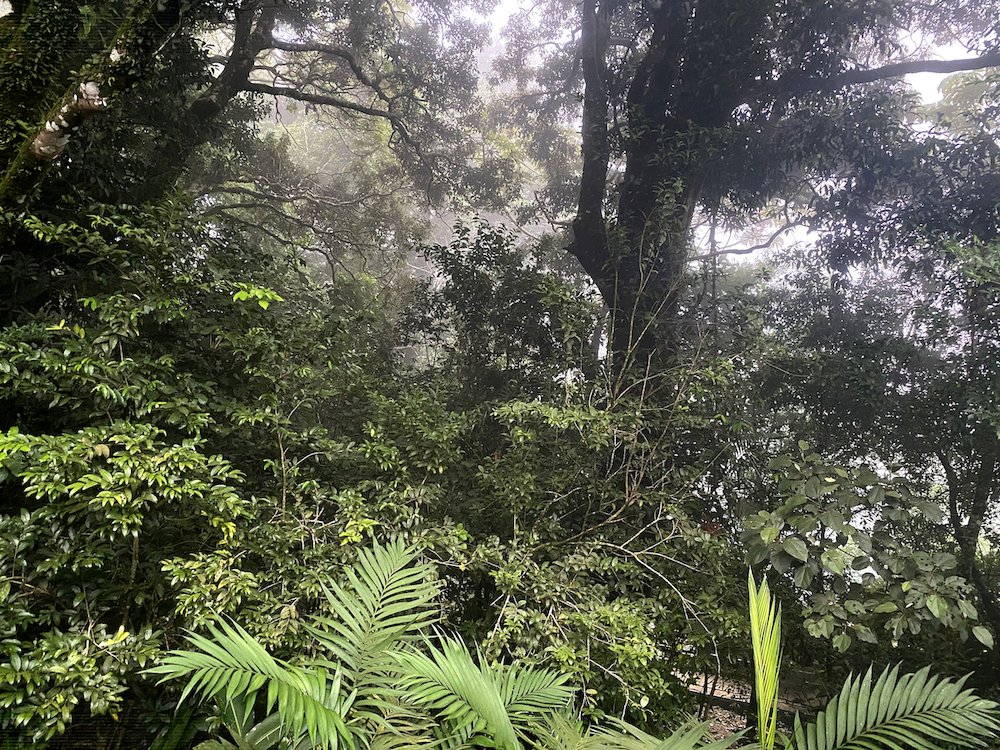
<point x="385" y="677"/>
<point x="891" y="712"/>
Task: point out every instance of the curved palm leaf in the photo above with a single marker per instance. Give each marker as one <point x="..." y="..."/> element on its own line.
<point x="232" y="666"/>
<point x="447" y="682"/>
<point x="917" y="711"/>
<point x="690" y="736"/>
<point x="476" y="700"/>
<point x="401" y="729"/>
<point x="529" y="693"/>
<point x="561" y="732"/>
<point x="385" y="601"/>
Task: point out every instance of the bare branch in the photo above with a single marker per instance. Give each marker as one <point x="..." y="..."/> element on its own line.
<point x="324" y="100"/>
<point x="753" y="248"/>
<point x="339" y="52"/>
<point x="900" y="69"/>
<point x="859" y="76"/>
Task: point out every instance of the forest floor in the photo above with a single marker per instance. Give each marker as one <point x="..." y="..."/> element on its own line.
<point x="729" y="704"/>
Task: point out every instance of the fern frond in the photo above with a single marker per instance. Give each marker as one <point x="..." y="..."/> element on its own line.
<point x="765" y="635"/>
<point x="917" y="711"/>
<point x="386" y="600"/>
<point x="232" y="666"/>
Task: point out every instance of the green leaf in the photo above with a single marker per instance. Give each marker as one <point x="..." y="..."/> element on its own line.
<point x="231" y="665"/>
<point x="833" y="560"/>
<point x="795" y="547"/>
<point x="916" y="711"/>
<point x="448" y="682"/>
<point x="387" y="601"/>
<point x="983" y="635"/>
<point x="765" y="635"/>
<point x="967" y="609"/>
<point x="937" y="604"/>
<point x="842" y="642"/>
<point x="803" y="576"/>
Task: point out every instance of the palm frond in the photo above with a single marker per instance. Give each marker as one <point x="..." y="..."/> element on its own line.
<point x="765" y="635"/>
<point x="917" y="711"/>
<point x="562" y="732"/>
<point x="529" y="693"/>
<point x="386" y="600"/>
<point x="690" y="736"/>
<point x="403" y="729"/>
<point x="232" y="666"/>
<point x="447" y="682"/>
<point x="264" y="735"/>
<point x="215" y="745"/>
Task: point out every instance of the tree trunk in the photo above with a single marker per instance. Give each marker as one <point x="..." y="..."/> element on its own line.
<point x="973" y="494"/>
<point x="638" y="261"/>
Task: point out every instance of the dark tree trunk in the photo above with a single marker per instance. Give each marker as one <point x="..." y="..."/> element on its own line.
<point x="252" y="34"/>
<point x="637" y="260"/>
<point x="969" y="499"/>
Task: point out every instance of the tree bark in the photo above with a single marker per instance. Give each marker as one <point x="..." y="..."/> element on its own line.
<point x="973" y="494"/>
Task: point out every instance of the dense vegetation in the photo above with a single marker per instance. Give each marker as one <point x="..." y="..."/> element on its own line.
<point x="241" y="367"/>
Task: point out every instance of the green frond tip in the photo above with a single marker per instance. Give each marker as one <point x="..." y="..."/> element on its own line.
<point x="765" y="634"/>
<point x="915" y="711"/>
<point x="563" y="732"/>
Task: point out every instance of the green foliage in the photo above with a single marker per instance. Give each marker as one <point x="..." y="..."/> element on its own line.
<point x="478" y="703"/>
<point x="474" y="704"/>
<point x="913" y="710"/>
<point x="872" y="579"/>
<point x="103" y="509"/>
<point x="198" y="421"/>
<point x="692" y="735"/>
<point x="386" y="601"/>
<point x="593" y="559"/>
<point x="379" y="611"/>
<point x="231" y="664"/>
<point x="137" y="469"/>
<point x="507" y="324"/>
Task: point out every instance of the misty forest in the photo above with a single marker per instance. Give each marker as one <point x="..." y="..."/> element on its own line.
<point x="499" y="374"/>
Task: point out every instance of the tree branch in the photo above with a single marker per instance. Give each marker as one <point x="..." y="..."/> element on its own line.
<point x="335" y="51"/>
<point x="252" y="35"/>
<point x="747" y="250"/>
<point x="333" y="101"/>
<point x="857" y="76"/>
<point x="900" y="69"/>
